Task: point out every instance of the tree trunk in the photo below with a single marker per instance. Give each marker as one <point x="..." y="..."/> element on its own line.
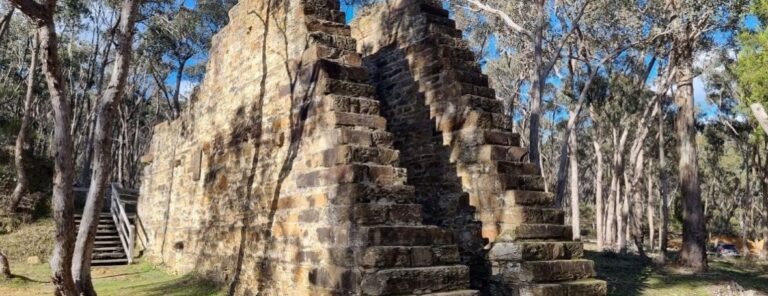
<point x="102" y="151"/>
<point x="693" y="253"/>
<point x="762" y="117"/>
<point x="22" y="140"/>
<point x="598" y="183"/>
<point x="62" y="202"/>
<point x="5" y="268"/>
<point x="651" y="209"/>
<point x="63" y="206"/>
<point x="179" y="76"/>
<point x="574" y="183"/>
<point x="537" y="89"/>
<point x="636" y="229"/>
<point x="663" y="195"/>
<point x="5" y="23"/>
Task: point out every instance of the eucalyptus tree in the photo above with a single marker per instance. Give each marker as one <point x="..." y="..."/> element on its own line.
<point x="692" y="26"/>
<point x="63" y="207"/>
<point x="102" y="166"/>
<point x="21" y="148"/>
<point x="752" y="76"/>
<point x="176" y="35"/>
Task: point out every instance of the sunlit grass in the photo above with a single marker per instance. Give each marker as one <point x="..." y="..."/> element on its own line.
<point x="136" y="279"/>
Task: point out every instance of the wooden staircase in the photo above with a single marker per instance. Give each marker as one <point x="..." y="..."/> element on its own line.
<point x="108" y="249"/>
<point x="115" y="233"/>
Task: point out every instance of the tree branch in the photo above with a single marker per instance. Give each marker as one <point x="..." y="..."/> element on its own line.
<point x="503" y="16"/>
<point x="34" y="10"/>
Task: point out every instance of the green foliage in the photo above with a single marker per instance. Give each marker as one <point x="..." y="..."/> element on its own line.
<point x="751" y="66"/>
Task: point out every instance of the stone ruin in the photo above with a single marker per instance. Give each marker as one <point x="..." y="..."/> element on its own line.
<point x="318" y="158"/>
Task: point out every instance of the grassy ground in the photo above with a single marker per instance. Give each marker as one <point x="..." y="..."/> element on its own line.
<point x="135" y="279"/>
<point x="631" y="275"/>
<point x="627" y="275"/>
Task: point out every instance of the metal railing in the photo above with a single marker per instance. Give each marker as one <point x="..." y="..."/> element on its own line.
<point x="125" y="229"/>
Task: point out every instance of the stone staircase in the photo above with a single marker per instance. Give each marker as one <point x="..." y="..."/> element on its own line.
<point x="107" y="250"/>
<point x="532" y="252"/>
<point x="398" y="254"/>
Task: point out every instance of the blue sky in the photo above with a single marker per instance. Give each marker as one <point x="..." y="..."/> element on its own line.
<point x="699" y="83"/>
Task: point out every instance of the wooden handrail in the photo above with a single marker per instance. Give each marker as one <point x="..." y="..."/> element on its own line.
<point x="125" y="229"/>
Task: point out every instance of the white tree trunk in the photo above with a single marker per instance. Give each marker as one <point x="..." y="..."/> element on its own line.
<point x="102" y="151"/>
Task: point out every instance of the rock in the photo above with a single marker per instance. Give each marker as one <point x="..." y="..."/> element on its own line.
<point x="33" y="260"/>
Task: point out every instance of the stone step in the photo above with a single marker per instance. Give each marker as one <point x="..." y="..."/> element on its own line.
<point x="326" y="12"/>
<point x="537" y="232"/>
<point x="486" y="120"/>
<point x="367" y="193"/>
<point x="409" y="256"/>
<point x="418" y="280"/>
<point x="345" y="154"/>
<point x="441" y="26"/>
<point x="501" y="153"/>
<point x="455" y="293"/>
<point x="345" y="88"/>
<point x="346" y="57"/>
<point x="483" y="137"/>
<point x="330" y="27"/>
<point x="533" y="215"/>
<point x="331" y="40"/>
<point x="558" y="270"/>
<point x="522" y="182"/>
<point x="584" y="287"/>
<point x="387" y="214"/>
<point x="339" y="71"/>
<point x="482" y="103"/>
<point x="380" y="175"/>
<point x="318" y="4"/>
<point x="476" y="90"/>
<point x="338" y="136"/>
<point x="416" y="235"/>
<point x="515" y="167"/>
<point x="333" y="119"/>
<point x="431" y="9"/>
<point x="458" y="54"/>
<point x="341" y="103"/>
<point x="535" y="251"/>
<point x="530" y="198"/>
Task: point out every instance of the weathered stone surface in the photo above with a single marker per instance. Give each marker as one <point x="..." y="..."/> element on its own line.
<point x="418" y="280"/>
<point x="537" y="231"/>
<point x="579" y="287"/>
<point x="302" y="168"/>
<point x="535" y="250"/>
<point x="520" y="273"/>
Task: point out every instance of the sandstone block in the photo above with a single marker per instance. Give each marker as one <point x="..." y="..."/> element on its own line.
<point x="418" y="280"/>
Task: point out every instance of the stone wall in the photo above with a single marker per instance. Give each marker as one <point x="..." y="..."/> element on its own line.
<point x="293" y="171"/>
<point x="280" y="177"/>
<point x="456" y="141"/>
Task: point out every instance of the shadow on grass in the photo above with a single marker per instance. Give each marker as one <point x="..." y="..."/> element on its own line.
<point x="626" y="274"/>
<point x="23" y="279"/>
<point x="189" y="285"/>
<point x="629" y="274"/>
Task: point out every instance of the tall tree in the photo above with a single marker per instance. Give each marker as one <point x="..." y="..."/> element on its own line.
<point x="102" y="166"/>
<point x="63" y="206"/>
<point x="691" y="25"/>
<point x="22" y="139"/>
